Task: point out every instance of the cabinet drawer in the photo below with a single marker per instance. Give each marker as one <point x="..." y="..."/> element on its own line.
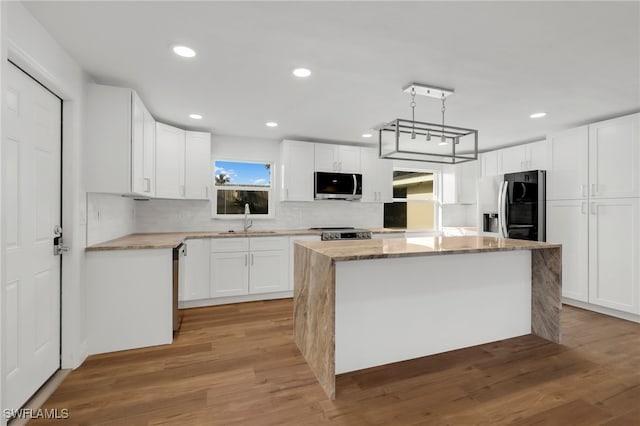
<point x="220" y="245"/>
<point x="268" y="243"/>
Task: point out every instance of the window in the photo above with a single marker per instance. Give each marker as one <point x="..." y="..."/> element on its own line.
<point x="414" y="205"/>
<point x="238" y="183"/>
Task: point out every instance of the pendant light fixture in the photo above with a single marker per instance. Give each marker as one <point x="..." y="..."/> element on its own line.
<point x="398" y="139"/>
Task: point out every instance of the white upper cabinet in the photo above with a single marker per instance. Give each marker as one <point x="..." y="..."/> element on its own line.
<point x="337" y="158"/>
<point x="459" y="183"/>
<point x="614" y="158"/>
<point x="536" y="156"/>
<point x="377" y="177"/>
<point x="512" y="159"/>
<point x="490" y="163"/>
<point x="601" y="160"/>
<point x="119" y="155"/>
<point x="568" y="160"/>
<point x="198" y="171"/>
<point x="521" y="158"/>
<point x="296" y="170"/>
<point x="170" y="161"/>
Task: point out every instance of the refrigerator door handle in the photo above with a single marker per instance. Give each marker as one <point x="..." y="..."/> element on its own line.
<point x="500" y="209"/>
<point x="503" y="210"/>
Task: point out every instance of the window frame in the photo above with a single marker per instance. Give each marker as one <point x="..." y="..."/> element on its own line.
<point x="269" y="189"/>
<point x="437" y="192"/>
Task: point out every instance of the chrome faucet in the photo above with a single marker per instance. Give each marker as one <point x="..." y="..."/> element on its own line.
<point x="248" y="223"/>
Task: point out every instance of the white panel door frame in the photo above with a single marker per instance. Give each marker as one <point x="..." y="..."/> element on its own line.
<point x="32" y="207"/>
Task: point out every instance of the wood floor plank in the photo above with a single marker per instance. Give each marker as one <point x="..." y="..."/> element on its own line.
<point x="238" y="365"/>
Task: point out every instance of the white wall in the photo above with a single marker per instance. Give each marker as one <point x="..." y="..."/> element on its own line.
<point x="109" y="216"/>
<point x="34" y="50"/>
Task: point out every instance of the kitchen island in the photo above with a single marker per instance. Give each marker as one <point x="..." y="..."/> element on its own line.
<point x="358" y="304"/>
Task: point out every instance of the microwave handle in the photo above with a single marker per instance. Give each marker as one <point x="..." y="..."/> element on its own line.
<point x="355" y="185"/>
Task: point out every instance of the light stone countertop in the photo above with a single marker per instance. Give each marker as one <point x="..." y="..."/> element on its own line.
<point x="161" y="240"/>
<point x="424" y="246"/>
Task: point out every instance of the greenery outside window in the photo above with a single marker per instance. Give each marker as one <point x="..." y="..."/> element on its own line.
<point x="237" y="183"/>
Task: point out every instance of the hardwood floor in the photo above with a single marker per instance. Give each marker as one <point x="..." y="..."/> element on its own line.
<point x="238" y="365"/>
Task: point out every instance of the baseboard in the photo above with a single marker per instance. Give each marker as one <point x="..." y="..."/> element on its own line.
<point x="602" y="310"/>
<point x="234" y="299"/>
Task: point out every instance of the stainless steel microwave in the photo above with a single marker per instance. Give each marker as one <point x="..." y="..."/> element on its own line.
<point x="337" y="186"/>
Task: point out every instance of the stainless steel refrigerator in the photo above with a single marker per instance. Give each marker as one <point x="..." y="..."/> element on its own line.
<point x="513" y="205"/>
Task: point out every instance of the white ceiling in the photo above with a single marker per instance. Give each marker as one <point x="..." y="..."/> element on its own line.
<point x="578" y="61"/>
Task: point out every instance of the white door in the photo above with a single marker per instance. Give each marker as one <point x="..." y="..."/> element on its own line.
<point x="297" y="171"/>
<point x="349" y="159"/>
<point x="513" y="159"/>
<point x="198" y="173"/>
<point x="614" y="250"/>
<point x="268" y="271"/>
<point x="137" y="146"/>
<point x="568" y="224"/>
<point x="197" y="270"/>
<point x="326" y="158"/>
<point x="31" y="192"/>
<point x="169" y="161"/>
<point x="149" y="154"/>
<point x="614" y="158"/>
<point x="229" y="274"/>
<point x="568" y="161"/>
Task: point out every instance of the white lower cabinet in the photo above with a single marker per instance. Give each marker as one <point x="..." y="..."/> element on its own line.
<point x="229" y="274"/>
<point x="568" y="224"/>
<point x="242" y="266"/>
<point x="600" y="250"/>
<point x="614" y="254"/>
<point x="196" y="274"/>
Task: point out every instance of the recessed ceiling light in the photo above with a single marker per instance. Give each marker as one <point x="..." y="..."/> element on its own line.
<point x="538" y="115"/>
<point x="301" y="72"/>
<point x="195" y="116"/>
<point x="271" y="124"/>
<point x="366" y="135"/>
<point x="184" y="51"/>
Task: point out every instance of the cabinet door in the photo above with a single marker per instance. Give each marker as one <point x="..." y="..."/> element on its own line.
<point x="568" y="224"/>
<point x="325" y="157"/>
<point x="149" y="154"/>
<point x="229" y="274"/>
<point x="536" y="156"/>
<point x="490" y="163"/>
<point x="349" y="159"/>
<point x="568" y="161"/>
<point x="197" y="165"/>
<point x="169" y="161"/>
<point x="268" y="272"/>
<point x="513" y="159"/>
<point x="297" y="167"/>
<point x="292" y="241"/>
<point x="614" y="158"/>
<point x="137" y="145"/>
<point x="614" y="233"/>
<point x="377" y="177"/>
<point x="197" y="269"/>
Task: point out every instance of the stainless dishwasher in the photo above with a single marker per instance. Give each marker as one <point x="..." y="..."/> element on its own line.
<point x="178" y="281"/>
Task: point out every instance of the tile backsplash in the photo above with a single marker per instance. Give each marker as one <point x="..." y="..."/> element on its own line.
<point x="109" y="216"/>
<point x="177" y="215"/>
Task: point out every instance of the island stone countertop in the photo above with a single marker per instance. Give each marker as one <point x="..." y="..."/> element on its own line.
<point x="160" y="240"/>
<point x="421" y="246"/>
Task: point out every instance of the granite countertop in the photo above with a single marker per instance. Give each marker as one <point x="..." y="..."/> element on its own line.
<point x="426" y="246"/>
<point x="173" y="239"/>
